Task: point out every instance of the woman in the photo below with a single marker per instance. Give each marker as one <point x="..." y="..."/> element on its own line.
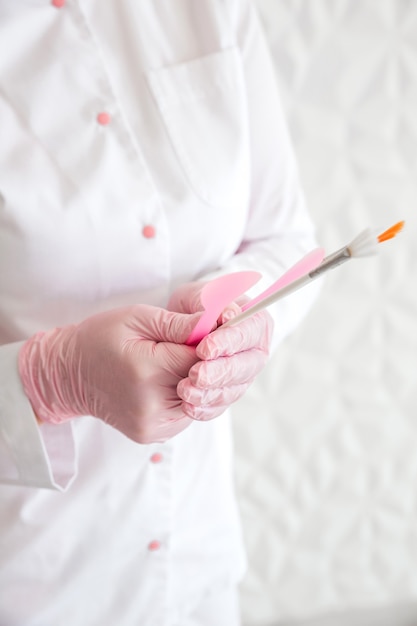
<point x="143" y="151"/>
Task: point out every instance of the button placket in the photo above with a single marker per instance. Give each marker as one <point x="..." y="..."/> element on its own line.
<point x="155" y="544"/>
<point x="123" y="132"/>
<point x="158" y="544"/>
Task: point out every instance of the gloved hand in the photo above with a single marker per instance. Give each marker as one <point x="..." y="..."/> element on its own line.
<point x="230" y="358"/>
<point x="121" y="366"/>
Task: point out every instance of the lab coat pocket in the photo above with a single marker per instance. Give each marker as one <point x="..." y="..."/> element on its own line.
<point x="203" y="107"/>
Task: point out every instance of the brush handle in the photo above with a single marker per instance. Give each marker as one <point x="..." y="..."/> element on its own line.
<point x="330" y="262"/>
<point x="263" y="304"/>
<point x="307" y="264"/>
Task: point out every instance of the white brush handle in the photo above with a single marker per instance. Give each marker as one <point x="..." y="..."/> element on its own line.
<point x="330" y="262"/>
<point x="285" y="291"/>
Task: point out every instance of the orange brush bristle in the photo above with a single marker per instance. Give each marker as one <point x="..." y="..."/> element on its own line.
<point x="390" y="233"/>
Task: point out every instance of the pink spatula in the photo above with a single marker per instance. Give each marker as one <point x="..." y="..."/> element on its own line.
<point x="220" y="292"/>
<point x="215" y="297"/>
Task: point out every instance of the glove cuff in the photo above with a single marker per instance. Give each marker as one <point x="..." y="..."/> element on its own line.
<point x="42" y="369"/>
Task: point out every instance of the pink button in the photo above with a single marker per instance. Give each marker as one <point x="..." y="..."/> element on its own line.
<point x="148" y="231"/>
<point x="58" y="4"/>
<point x="157" y="457"/>
<point x="154" y="545"/>
<point x="103" y="118"/>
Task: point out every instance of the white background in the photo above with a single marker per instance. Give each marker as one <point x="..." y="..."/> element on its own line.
<point x="326" y="439"/>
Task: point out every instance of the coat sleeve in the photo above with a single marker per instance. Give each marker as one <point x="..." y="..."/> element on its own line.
<point x="279" y="230"/>
<point x="30" y="455"/>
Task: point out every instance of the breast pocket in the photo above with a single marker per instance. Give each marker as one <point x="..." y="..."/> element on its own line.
<point x="203" y="107"/>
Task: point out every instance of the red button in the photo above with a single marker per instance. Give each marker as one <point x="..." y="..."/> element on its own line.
<point x="103" y="118"/>
<point x="58" y="4"/>
<point x="148" y="231"/>
<point x="157" y="457"/>
<point x="154" y="545"/>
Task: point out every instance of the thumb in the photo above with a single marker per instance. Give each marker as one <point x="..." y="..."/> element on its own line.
<point x="177" y="327"/>
<point x="158" y="324"/>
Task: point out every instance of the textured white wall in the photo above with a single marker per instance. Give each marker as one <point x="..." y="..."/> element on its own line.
<point x="326" y="440"/>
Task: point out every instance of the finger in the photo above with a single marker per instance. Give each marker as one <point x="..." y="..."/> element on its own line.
<point x="187" y="298"/>
<point x="229" y="312"/>
<point x="253" y="332"/>
<point x="224" y="371"/>
<point x="202" y="398"/>
<point x="203" y="414"/>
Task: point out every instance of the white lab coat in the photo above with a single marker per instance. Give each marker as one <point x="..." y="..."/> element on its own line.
<point x="142" y="145"/>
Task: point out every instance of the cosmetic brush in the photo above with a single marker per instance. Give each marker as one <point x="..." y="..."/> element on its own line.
<point x="365" y="244"/>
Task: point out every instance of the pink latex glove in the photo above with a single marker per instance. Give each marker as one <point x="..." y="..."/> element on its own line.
<point x="122" y="366"/>
<point x="231" y="357"/>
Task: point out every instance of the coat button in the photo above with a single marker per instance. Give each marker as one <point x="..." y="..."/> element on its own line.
<point x="154" y="545"/>
<point x="156" y="457"/>
<point x="148" y="231"/>
<point x="104" y="118"/>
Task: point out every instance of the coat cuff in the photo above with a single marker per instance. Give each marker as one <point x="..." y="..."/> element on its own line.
<point x="31" y="455"/>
